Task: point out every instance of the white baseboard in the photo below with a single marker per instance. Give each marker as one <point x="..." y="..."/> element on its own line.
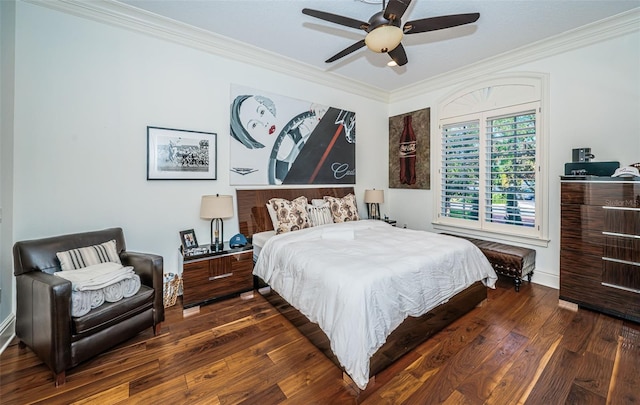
<point x="7" y="331"/>
<point x="546" y="279"/>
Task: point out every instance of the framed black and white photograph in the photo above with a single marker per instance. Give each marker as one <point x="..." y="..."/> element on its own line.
<point x="178" y="154"/>
<point x="188" y="239"/>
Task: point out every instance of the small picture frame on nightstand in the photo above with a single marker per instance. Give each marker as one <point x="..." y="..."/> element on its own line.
<point x="188" y="239"/>
<point x="391" y="222"/>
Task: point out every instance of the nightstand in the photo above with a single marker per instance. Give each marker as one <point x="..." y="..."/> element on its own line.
<point x="214" y="275"/>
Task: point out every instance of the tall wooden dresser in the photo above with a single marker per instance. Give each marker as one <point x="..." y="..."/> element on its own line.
<point x="600" y="245"/>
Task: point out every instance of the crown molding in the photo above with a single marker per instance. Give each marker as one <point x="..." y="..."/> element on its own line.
<point x="124" y="16"/>
<point x="598" y="31"/>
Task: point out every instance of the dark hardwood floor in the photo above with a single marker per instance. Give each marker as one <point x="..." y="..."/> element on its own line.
<point x="516" y="348"/>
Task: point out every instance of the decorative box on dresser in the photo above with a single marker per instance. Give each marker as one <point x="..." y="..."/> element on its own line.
<point x="215" y="275"/>
<point x="600" y="245"/>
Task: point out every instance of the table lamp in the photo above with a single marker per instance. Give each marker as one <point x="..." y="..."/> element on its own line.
<point x="373" y="199"/>
<point x="216" y="207"/>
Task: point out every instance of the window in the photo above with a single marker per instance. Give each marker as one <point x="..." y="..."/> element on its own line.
<point x="491" y="181"/>
<point x="461" y="170"/>
<point x="511" y="169"/>
<point x="489" y="171"/>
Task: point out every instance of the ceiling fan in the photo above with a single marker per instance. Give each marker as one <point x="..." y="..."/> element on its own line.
<point x="383" y="29"/>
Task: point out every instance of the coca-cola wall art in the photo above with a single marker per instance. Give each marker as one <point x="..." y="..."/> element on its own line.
<point x="409" y="150"/>
<point x="281" y="140"/>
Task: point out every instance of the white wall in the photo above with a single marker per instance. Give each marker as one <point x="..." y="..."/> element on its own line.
<point x="7" y="37"/>
<point x="85" y="93"/>
<point x="594" y="102"/>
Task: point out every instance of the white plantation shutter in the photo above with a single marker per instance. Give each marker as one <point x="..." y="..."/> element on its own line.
<point x="489" y="172"/>
<point x="460" y="170"/>
<point x="511" y="169"/>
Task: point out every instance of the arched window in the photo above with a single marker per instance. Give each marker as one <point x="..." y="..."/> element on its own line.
<point x="491" y="171"/>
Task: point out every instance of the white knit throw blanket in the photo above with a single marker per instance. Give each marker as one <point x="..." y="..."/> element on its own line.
<point x="93" y="285"/>
<point x="96" y="276"/>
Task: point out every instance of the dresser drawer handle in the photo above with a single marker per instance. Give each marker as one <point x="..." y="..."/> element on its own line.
<point x="220" y="276"/>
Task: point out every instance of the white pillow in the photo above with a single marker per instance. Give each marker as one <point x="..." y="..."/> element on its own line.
<point x="318" y="202"/>
<point x="89" y="256"/>
<point x="320" y="215"/>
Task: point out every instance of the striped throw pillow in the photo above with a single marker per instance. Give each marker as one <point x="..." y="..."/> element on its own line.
<point x="320" y="215"/>
<point x="89" y="256"/>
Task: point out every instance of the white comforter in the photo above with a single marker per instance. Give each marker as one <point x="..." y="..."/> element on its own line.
<point x="361" y="279"/>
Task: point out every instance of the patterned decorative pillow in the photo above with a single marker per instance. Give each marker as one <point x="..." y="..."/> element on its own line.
<point x="343" y="209"/>
<point x="89" y="256"/>
<point x="320" y="215"/>
<point x="273" y="215"/>
<point x="292" y="215"/>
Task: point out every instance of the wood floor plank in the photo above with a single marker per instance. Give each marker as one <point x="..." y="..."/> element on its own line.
<point x="517" y="347"/>
<point x="312" y="364"/>
<point x="172" y="391"/>
<point x="205" y="373"/>
<point x="271" y="395"/>
<point x="89" y="384"/>
<point x="396" y="391"/>
<point x="576" y="336"/>
<point x="556" y="380"/>
<point x="446" y="380"/>
<point x="530" y="362"/>
<point x="594" y="374"/>
<point x="582" y="396"/>
<point x="479" y="385"/>
<point x="604" y="340"/>
<point x="625" y="381"/>
<point x="522" y="376"/>
<point x="109" y="396"/>
<point x="457" y="398"/>
<point x="443" y="351"/>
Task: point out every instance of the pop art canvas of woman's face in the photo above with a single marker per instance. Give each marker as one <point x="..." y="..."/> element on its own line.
<point x="280" y="140"/>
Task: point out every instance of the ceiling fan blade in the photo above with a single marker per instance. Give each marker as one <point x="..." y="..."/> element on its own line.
<point x="346" y="51"/>
<point x="398" y="55"/>
<point x="338" y="19"/>
<point x="395" y="9"/>
<point x="438" y="23"/>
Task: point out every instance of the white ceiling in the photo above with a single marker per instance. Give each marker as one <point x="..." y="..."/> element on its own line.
<point x="279" y="27"/>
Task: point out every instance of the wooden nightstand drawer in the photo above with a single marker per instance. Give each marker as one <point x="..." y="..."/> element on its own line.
<point x="215" y="277"/>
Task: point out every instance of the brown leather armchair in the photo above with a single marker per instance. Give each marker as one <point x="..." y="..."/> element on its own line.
<point x="43" y="316"/>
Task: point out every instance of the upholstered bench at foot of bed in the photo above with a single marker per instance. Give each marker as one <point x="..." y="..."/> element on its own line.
<point x="508" y="260"/>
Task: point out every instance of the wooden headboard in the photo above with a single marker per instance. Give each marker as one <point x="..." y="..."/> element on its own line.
<point x="253" y="216"/>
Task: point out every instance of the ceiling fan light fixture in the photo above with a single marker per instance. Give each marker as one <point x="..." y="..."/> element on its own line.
<point x="384" y="38"/>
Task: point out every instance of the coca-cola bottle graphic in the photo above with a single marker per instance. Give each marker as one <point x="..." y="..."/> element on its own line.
<point x="408" y="153"/>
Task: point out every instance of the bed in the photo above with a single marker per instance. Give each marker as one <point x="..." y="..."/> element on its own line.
<point x="366" y="315"/>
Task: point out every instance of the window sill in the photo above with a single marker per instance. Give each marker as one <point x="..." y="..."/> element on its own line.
<point x="493" y="236"/>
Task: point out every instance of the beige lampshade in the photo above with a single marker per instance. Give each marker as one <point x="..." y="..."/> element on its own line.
<point x="216" y="206"/>
<point x="374" y="196"/>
